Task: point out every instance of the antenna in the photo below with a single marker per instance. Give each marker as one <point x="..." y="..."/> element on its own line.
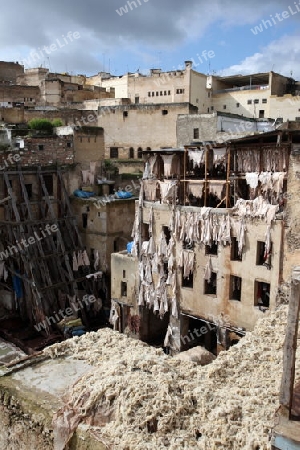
<point x="48" y="57"/>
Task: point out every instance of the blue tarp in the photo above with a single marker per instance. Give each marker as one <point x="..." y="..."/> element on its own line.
<point x="17" y="286"/>
<point x="83" y="194"/>
<point x="129" y="246"/>
<point x="123" y="194"/>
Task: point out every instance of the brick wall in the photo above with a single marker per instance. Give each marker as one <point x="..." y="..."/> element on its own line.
<point x="40" y="151"/>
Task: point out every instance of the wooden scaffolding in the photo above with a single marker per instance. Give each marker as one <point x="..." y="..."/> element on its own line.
<point x="39" y="259"/>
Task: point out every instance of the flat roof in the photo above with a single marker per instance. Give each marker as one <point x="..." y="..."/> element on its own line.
<point x="242" y="80"/>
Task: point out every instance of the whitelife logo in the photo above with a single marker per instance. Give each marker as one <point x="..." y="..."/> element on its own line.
<point x="25" y="243"/>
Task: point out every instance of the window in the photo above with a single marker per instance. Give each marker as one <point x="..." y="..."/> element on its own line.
<point x="137" y="100"/>
<point x="28" y="188"/>
<point x="297" y="119"/>
<point x="131" y="153"/>
<point x="264" y="100"/>
<point x="234" y="256"/>
<point x="235" y="288"/>
<point x="17" y="144"/>
<point x="140" y="153"/>
<point x="149" y="94"/>
<point x="169" y="92"/>
<point x="40" y="147"/>
<point x="116" y="247"/>
<point x="161" y="92"/>
<point x="157" y="93"/>
<point x="69" y="145"/>
<point x="261" y="113"/>
<point x="99" y="214"/>
<point x="145" y="232"/>
<point x="153" y="93"/>
<point x="262" y="294"/>
<point x="148" y="149"/>
<point x="256" y="101"/>
<point x="210" y="287"/>
<point x="196" y="133"/>
<point x="224" y="106"/>
<point x="165" y="92"/>
<point x="84" y="220"/>
<point x="179" y="91"/>
<point x="208" y="94"/>
<point x="114" y="152"/>
<point x="167" y="233"/>
<point x="48" y="179"/>
<point x="164" y="112"/>
<point x="237" y="105"/>
<point x="123" y="289"/>
<point x="263" y="258"/>
<point x="124" y="273"/>
<point x="187" y="282"/>
<point x="125" y="113"/>
<point x="211" y="108"/>
<point x="249" y="102"/>
<point x="211" y="249"/>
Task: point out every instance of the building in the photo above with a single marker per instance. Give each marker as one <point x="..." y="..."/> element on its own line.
<point x="9" y="72"/>
<point x="184" y="85"/>
<point x="262" y="95"/>
<point x="208" y="216"/>
<point x="131" y="129"/>
<point x="218" y="127"/>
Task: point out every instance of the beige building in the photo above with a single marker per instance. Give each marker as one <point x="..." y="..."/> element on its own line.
<point x="178" y="86"/>
<point x="263" y="95"/>
<point x="210" y="254"/>
<point x="130" y="129"/>
<point x="59" y="89"/>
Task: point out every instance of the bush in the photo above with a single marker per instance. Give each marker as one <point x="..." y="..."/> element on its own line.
<point x="41" y="125"/>
<point x="57" y="123"/>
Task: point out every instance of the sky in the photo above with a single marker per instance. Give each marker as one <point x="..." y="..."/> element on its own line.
<point x="222" y="37"/>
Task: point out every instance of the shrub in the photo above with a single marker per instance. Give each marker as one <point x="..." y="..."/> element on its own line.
<point x="57" y="123"/>
<point x="41" y="125"/>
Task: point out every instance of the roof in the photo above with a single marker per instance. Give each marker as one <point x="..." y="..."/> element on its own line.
<point x="242" y="80"/>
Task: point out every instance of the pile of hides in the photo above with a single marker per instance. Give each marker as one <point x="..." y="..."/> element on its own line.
<point x="139" y="398"/>
<point x="198" y="355"/>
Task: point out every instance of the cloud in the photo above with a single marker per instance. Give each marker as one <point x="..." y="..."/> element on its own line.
<point x="282" y="56"/>
<point x="150" y="27"/>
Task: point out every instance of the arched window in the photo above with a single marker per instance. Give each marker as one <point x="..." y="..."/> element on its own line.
<point x="148" y="149"/>
<point x="131" y="153"/>
<point x="140" y="153"/>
